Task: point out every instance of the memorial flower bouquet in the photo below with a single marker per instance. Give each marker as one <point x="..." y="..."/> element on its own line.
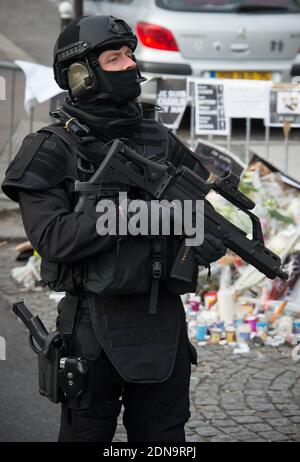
<point x="278" y="208"/>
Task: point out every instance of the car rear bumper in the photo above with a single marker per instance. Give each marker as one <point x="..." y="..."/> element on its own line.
<point x="165" y="68"/>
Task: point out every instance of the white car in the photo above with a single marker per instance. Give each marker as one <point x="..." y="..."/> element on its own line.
<point x="248" y="39"/>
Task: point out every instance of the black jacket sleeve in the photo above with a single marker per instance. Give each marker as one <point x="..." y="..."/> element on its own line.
<point x="55" y="231"/>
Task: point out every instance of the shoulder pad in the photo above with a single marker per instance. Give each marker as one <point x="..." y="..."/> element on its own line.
<point x="41" y="163"/>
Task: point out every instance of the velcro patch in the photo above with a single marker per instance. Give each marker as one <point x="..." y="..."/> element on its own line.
<point x="28" y="150"/>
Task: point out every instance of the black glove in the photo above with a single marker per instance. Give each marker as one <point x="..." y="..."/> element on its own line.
<point x="210" y="250"/>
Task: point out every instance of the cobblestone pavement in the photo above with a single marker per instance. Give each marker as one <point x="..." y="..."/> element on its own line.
<point x="250" y="397"/>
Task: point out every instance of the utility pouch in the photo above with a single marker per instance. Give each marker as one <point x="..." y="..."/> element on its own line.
<point x="73" y="377"/>
<point x="60" y="277"/>
<point x="61" y="377"/>
<point x="122" y="270"/>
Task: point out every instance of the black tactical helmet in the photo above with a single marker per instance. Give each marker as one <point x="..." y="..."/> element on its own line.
<point x="78" y="47"/>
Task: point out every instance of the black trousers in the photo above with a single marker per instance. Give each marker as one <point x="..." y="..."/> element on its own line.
<point x="155" y="412"/>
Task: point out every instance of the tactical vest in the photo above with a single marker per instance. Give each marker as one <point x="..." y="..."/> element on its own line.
<point x="136" y="264"/>
<point x="142" y="346"/>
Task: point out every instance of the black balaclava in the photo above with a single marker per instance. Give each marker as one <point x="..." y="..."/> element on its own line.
<point x="125" y="84"/>
<point x="113" y="110"/>
<point x="115" y="113"/>
<point x="118" y="86"/>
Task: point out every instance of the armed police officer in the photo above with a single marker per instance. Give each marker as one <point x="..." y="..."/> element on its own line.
<point x="138" y="357"/>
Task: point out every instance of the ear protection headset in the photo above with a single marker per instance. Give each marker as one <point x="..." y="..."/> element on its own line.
<point x="81" y="79"/>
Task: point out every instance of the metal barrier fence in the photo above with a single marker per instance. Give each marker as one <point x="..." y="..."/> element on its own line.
<point x="279" y="129"/>
<point x="248" y="127"/>
<point x="13" y="70"/>
<point x="193" y="139"/>
<point x="54" y="103"/>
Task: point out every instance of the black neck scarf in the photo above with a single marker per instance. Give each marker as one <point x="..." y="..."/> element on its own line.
<point x="107" y="119"/>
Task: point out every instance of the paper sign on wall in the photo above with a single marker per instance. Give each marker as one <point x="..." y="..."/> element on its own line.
<point x="284" y="105"/>
<point x="210" y="116"/>
<point x="247" y="98"/>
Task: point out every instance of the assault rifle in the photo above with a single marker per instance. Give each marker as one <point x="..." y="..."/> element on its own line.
<point x="163" y="181"/>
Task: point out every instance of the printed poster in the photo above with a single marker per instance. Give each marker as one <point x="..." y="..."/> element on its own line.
<point x="172" y="98"/>
<point x="210" y="114"/>
<point x="284" y="105"/>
